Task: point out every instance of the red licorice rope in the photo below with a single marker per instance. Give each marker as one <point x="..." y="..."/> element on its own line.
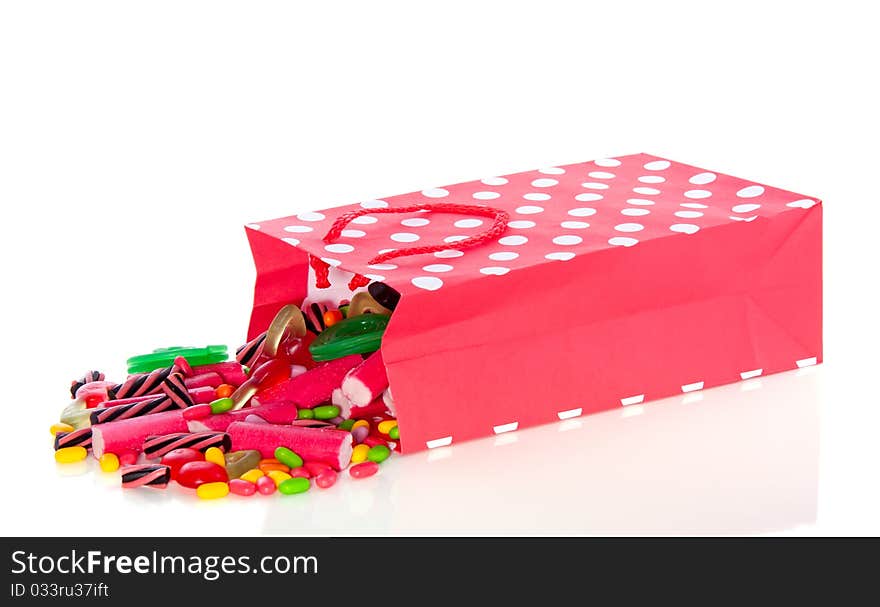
<point x="498" y="227"/>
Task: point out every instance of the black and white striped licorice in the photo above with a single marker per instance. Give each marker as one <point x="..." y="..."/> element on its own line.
<point x="146" y="475"/>
<point x="249" y="353"/>
<point x="157" y="446"/>
<point x="144" y="407"/>
<point x="140" y="385"/>
<point x="174" y="388"/>
<point x="89" y="377"/>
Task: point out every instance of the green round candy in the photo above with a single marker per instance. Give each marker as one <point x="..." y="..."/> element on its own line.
<point x="288" y="457"/>
<point x="346" y="425"/>
<point x="293" y="486"/>
<point x="378" y="453"/>
<point x="222" y="405"/>
<point x="164" y="357"/>
<point x="305" y="414"/>
<point x="360" y="334"/>
<point x="394" y="433"/>
<point x="326" y="412"/>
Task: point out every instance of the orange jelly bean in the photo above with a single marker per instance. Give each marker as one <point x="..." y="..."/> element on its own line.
<point x="224" y="391"/>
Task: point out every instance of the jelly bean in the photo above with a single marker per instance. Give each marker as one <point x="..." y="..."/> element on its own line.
<point x="127" y="458"/>
<point x="176" y="458"/>
<point x="394" y="433"/>
<point x="193" y="474"/>
<point x="359" y="454"/>
<point x="224" y="390"/>
<point x="361" y="423"/>
<point x="252" y="476"/>
<point x="305" y="414"/>
<point x="60" y="427"/>
<point x="278" y="476"/>
<point x="331" y="317"/>
<point x="346" y="425"/>
<point x="265" y="485"/>
<point x="386" y="426"/>
<point x="326" y="479"/>
<point x="267" y="468"/>
<point x="239" y="462"/>
<point x="222" y="405"/>
<point x="378" y="453"/>
<point x="326" y="411"/>
<point x="316" y="468"/>
<point x="372" y="441"/>
<point x="359" y="434"/>
<point x="198" y="412"/>
<point x="288" y="457"/>
<point x="292" y="486"/>
<point x="68" y="455"/>
<point x="240" y="487"/>
<point x="212" y="491"/>
<point x="363" y="470"/>
<point x="109" y="462"/>
<point x="300" y="472"/>
<point x="215" y="455"/>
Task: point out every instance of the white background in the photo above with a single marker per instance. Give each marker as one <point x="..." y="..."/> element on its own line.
<point x="137" y="138"/>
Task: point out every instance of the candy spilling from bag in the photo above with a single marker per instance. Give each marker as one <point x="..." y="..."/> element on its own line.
<point x="302" y="401"/>
<point x="484" y="307"/>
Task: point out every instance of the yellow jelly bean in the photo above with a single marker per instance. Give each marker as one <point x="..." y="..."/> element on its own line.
<point x="359" y="423"/>
<point x="109" y="462"/>
<point x="68" y="455"/>
<point x="278" y="476"/>
<point x="212" y="491"/>
<point x="60" y="427"/>
<point x="385" y="427"/>
<point x="359" y="454"/>
<point x="252" y="475"/>
<point x="215" y="455"/>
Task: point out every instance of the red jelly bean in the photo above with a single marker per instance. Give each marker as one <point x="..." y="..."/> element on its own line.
<point x="372" y="441"/>
<point x="300" y="472"/>
<point x="316" y="468"/>
<point x="127" y="458"/>
<point x="265" y="485"/>
<point x="363" y="470"/>
<point x="193" y="474"/>
<point x="327" y="479"/>
<point x="176" y="458"/>
<point x="197" y="412"/>
<point x="331" y="317"/>
<point x="238" y="486"/>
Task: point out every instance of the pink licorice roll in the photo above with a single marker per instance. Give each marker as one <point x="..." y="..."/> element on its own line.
<point x="313" y="387"/>
<point x="231" y="372"/>
<point x="211" y="380"/>
<point x="326" y="446"/>
<point x="199" y="396"/>
<point x="129" y="434"/>
<point x="142" y="383"/>
<point x="365" y="383"/>
<point x="338" y="399"/>
<point x="274" y="413"/>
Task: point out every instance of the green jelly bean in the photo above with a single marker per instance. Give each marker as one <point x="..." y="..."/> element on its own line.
<point x="346" y="425"/>
<point x="288" y="457"/>
<point x="293" y="486"/>
<point x="326" y="412"/>
<point x="394" y="433"/>
<point x="378" y="453"/>
<point x="222" y="405"/>
<point x="305" y="414"/>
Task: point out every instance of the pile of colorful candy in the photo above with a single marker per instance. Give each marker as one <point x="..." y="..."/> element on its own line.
<point x="303" y="401"/>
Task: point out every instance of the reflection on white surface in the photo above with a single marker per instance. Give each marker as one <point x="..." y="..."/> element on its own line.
<point x="741" y="458"/>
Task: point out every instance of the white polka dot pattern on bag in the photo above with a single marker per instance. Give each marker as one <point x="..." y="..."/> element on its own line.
<point x="751" y="191"/>
<point x="555" y="214"/>
<point x="529" y="209"/>
<point x="311" y="217"/>
<point x="544" y="182"/>
<point x="415" y="222"/>
<point x="468" y="223"/>
<point x="429" y="283"/>
<point x="404" y="237"/>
